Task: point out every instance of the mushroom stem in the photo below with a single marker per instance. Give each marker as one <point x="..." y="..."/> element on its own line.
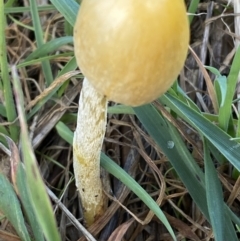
<point x="87" y="143"/>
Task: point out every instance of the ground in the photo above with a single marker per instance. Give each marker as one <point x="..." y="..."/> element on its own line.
<point x="214" y="36"/>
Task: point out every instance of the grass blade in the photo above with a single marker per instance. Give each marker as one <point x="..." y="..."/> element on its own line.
<point x="49" y="47"/>
<point x="35" y="184"/>
<point x="225" y="110"/>
<point x="229" y="148"/>
<point x="214" y="197"/>
<point x="178" y="155"/>
<point x="68" y="8"/>
<point x="28" y="208"/>
<point x="190" y="174"/>
<point x="39" y="37"/>
<point x="18" y="177"/>
<point x="120" y="109"/>
<point x="11" y="208"/>
<point x="5" y="82"/>
<point x="27" y="9"/>
<point x="119" y="173"/>
<point x="192" y="9"/>
<point x="64" y="132"/>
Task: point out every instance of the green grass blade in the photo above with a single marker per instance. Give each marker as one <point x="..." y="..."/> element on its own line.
<point x="238" y="129"/>
<point x="48" y="57"/>
<point x="3" y="132"/>
<point x="68" y="8"/>
<point x="64" y="132"/>
<point x="44" y="8"/>
<point x="182" y="161"/>
<point x="18" y="177"/>
<point x="49" y="47"/>
<point x="68" y="28"/>
<point x="19" y="23"/>
<point x="192" y="9"/>
<point x="39" y="38"/>
<point x="10" y="207"/>
<point x="3" y="112"/>
<point x="119" y="173"/>
<point x="225" y="110"/>
<point x="181" y="95"/>
<point x="214" y="197"/>
<point x="163" y="133"/>
<point x="9" y="3"/>
<point x="120" y="109"/>
<point x="38" y="195"/>
<point x="28" y="208"/>
<point x="229" y="148"/>
<point x="190" y="174"/>
<point x="229" y="231"/>
<point x="5" y="82"/>
<point x="220" y="86"/>
<point x="234" y="218"/>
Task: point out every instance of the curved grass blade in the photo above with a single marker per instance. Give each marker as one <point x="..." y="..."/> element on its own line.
<point x="5" y="82"/>
<point x="47" y="72"/>
<point x="48" y="57"/>
<point x="192" y="9"/>
<point x="214" y="196"/>
<point x="28" y="208"/>
<point x="37" y="191"/>
<point x="68" y="8"/>
<point x="191" y="175"/>
<point x="18" y="177"/>
<point x="3" y="112"/>
<point x="9" y="205"/>
<point x="49" y="47"/>
<point x="3" y="131"/>
<point x="64" y="132"/>
<point x="184" y="164"/>
<point x="120" y="109"/>
<point x="120" y="174"/>
<point x="228" y="147"/>
<point x="225" y="111"/>
<point x="27" y="9"/>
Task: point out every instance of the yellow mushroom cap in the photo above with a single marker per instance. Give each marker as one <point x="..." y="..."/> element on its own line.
<point x="131" y="50"/>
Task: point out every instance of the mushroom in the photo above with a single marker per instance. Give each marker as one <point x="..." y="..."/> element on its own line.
<point x="130" y="52"/>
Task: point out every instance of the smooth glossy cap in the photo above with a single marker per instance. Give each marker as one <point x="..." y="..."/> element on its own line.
<point x="131" y="50"/>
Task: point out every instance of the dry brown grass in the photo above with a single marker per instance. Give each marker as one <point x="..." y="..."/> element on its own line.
<point x="126" y="142"/>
